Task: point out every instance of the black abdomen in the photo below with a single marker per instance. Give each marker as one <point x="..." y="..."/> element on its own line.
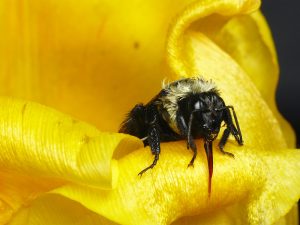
<point x="135" y="122"/>
<point x="140" y="118"/>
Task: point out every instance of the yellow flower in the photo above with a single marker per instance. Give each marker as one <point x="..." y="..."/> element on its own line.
<point x="94" y="60"/>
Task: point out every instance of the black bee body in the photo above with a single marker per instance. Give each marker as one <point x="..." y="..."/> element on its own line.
<point x="141" y="118"/>
<point x="184" y="110"/>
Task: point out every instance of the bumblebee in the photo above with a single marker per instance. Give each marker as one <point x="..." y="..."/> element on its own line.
<point x="186" y="109"/>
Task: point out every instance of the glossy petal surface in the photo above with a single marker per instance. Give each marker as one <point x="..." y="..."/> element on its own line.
<point x="42" y="149"/>
<point x="95" y="60"/>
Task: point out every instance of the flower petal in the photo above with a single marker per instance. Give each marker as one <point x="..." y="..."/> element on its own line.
<point x="198" y="44"/>
<point x="248" y="41"/>
<point x="254" y="115"/>
<point x="235" y="35"/>
<point x="77" y="151"/>
<point x="231" y="215"/>
<point x="215" y="14"/>
<point x="42" y="149"/>
<point x="54" y="209"/>
<point x="261" y="193"/>
<point x="92" y="59"/>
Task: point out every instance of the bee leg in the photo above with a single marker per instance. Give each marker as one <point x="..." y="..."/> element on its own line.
<point x="235" y="130"/>
<point x="154" y="143"/>
<point x="191" y="142"/>
<point x="186" y="131"/>
<point x="223" y="142"/>
<point x="236" y="135"/>
<point x="151" y="166"/>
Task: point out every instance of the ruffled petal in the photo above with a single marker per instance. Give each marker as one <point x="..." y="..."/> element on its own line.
<point x="245" y="37"/>
<point x="248" y="41"/>
<point x="42" y="149"/>
<point x="259" y="127"/>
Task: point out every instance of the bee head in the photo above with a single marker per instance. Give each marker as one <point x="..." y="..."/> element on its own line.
<point x="206" y="115"/>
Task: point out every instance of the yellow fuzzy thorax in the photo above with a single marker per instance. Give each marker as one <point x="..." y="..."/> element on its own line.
<point x="178" y="90"/>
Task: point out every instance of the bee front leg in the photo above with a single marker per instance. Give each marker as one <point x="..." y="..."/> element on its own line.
<point x="186" y="131"/>
<point x="191" y="142"/>
<point x="230" y="129"/>
<point x="223" y="142"/>
<point x="235" y="130"/>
